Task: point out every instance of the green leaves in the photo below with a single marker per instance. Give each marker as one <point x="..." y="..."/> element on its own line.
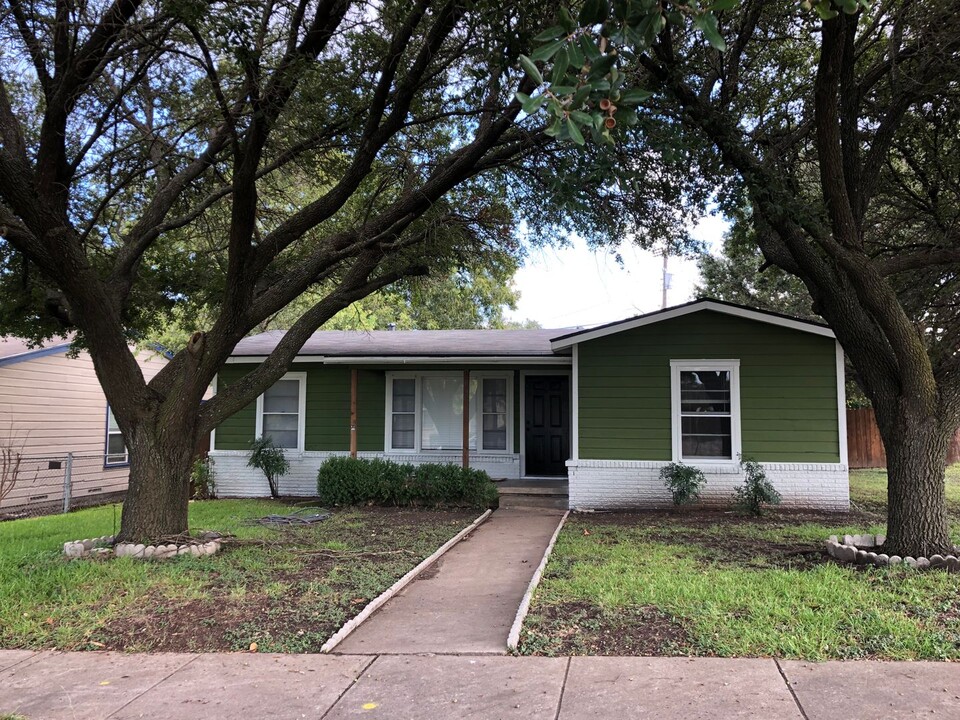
<point x="585" y="86"/>
<point x="593" y="12"/>
<point x="635" y="96"/>
<point x="545" y="52"/>
<point x="707" y="24"/>
<point x="530" y="68"/>
<point x="574" y="131"/>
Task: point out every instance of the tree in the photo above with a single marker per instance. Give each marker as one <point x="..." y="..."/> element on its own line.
<point x="131" y="129"/>
<point x="838" y="124"/>
<point x="473" y="297"/>
<point x="739" y="274"/>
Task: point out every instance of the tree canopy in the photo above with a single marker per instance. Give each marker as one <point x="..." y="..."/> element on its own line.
<point x="835" y="123"/>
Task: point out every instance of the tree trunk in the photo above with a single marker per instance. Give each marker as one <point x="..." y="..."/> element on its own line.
<point x="916" y="447"/>
<point x="159" y="490"/>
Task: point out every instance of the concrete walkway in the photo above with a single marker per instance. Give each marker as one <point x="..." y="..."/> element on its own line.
<point x="465" y="603"/>
<point x="97" y="686"/>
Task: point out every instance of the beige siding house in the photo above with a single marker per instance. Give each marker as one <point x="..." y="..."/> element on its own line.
<point x="55" y="426"/>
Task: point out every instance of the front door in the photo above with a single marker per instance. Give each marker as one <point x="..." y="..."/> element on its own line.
<point x="547" y="410"/>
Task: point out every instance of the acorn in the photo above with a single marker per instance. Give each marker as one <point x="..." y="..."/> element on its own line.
<point x="605" y="104"/>
<point x="610" y="123"/>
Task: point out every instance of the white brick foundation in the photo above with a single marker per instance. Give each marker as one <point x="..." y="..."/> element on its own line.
<point x="235" y="479"/>
<point x="608" y="484"/>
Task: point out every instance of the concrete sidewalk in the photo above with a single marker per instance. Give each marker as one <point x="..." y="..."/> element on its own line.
<point x="96" y="686"/>
<point x="465" y="603"/>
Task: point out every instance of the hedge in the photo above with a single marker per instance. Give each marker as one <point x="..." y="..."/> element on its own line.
<point x="353" y="481"/>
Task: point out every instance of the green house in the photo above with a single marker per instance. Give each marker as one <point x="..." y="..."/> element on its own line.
<point x="606" y="408"/>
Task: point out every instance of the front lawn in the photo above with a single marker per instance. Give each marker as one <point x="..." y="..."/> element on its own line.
<point x="719" y="583"/>
<point x="286" y="590"/>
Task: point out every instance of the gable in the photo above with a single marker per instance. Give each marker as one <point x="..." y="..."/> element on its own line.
<point x="788" y="387"/>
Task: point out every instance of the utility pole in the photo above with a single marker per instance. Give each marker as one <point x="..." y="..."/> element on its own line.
<point x="666" y="281"/>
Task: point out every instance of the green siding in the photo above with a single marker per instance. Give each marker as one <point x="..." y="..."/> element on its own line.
<point x="788" y="388"/>
<point x="236" y="432"/>
<point x="328" y="405"/>
<point x="371" y="405"/>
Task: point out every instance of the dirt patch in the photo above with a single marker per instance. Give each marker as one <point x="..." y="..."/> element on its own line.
<point x="708" y="517"/>
<point x="581" y="628"/>
<point x="289" y="593"/>
<point x="723" y="537"/>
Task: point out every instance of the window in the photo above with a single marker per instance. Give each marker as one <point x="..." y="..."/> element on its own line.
<point x="494" y="413"/>
<point x="706" y="410"/>
<point x="425" y="412"/>
<point x="115" y="452"/>
<point x="404" y="421"/>
<point x="280" y="412"/>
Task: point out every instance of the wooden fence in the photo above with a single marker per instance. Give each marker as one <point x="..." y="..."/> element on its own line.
<point x="864" y="446"/>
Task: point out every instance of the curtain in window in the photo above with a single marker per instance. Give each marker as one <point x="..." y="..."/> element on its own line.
<point x="441" y="419"/>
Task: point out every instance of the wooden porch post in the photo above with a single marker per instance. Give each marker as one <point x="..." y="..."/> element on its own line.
<point x="466" y="418"/>
<point x="353" y="412"/>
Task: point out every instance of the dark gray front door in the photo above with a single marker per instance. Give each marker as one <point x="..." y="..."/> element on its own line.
<point x="547" y="410"/>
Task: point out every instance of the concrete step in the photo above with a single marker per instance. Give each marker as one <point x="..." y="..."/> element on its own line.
<point x="534" y="500"/>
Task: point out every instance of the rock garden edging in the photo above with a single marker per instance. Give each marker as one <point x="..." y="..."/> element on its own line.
<point x="855" y="549"/>
<point x="105" y="547"/>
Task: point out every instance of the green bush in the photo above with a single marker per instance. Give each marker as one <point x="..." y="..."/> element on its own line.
<point x="683" y="481"/>
<point x="270" y="460"/>
<point x="352" y="481"/>
<point x="756" y="491"/>
<point x="202" y="479"/>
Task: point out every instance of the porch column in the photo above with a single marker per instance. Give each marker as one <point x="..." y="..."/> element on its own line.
<point x="353" y="412"/>
<point x="466" y="418"/>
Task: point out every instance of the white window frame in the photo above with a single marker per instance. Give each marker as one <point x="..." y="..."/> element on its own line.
<point x="301" y="378"/>
<point x="107" y="463"/>
<point x="477" y="418"/>
<point x="731" y="366"/>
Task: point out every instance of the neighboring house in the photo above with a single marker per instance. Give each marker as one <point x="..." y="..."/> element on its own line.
<point x="52" y="405"/>
<point x="701" y="383"/>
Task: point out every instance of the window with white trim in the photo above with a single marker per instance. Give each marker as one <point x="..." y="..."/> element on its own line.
<point x="494" y="413"/>
<point x="404" y="414"/>
<point x="425" y="412"/>
<point x="706" y="410"/>
<point x="115" y="449"/>
<point x="280" y="412"/>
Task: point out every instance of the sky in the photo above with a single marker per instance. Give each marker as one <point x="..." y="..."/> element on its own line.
<point x="576" y="287"/>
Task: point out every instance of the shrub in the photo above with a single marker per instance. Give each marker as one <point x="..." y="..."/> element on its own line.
<point x="270" y="460"/>
<point x="683" y="481"/>
<point x="351" y="481"/>
<point x="756" y="491"/>
<point x="201" y="477"/>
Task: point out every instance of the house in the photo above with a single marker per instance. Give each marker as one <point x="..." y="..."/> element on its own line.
<point x="703" y="383"/>
<point x="56" y="428"/>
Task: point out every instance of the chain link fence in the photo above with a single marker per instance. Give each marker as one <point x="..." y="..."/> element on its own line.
<point x="44" y="484"/>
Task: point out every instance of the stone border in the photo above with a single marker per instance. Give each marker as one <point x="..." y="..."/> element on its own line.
<point x="348" y="627"/>
<point x="105" y="547"/>
<point x="513" y="639"/>
<point x="851" y="550"/>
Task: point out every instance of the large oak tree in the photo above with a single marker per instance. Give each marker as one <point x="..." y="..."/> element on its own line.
<point x="130" y="128"/>
<point x="838" y="123"/>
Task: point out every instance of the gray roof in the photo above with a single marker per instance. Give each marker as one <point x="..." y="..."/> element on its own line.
<point x="14" y="346"/>
<point x="411" y="343"/>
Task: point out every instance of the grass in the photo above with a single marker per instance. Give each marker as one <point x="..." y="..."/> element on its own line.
<point x="286" y="590"/>
<point x="713" y="583"/>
